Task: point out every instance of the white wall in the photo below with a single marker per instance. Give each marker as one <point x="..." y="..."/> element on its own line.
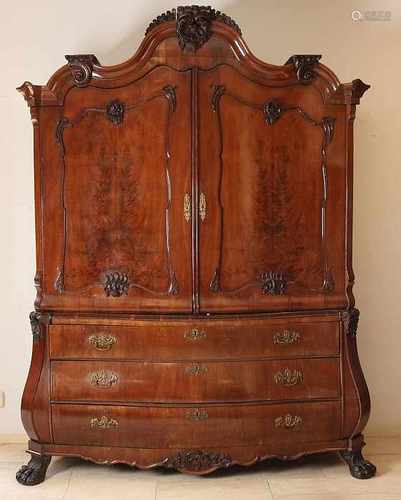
<point x="36" y="35"/>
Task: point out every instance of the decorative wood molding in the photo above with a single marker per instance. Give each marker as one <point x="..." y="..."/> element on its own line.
<point x="170" y="95"/>
<point x="198" y="460"/>
<point x="274" y="283"/>
<point x="193" y="24"/>
<point x="304" y="66"/>
<point x="81" y="66"/>
<point x="349" y="93"/>
<point x="115" y="112"/>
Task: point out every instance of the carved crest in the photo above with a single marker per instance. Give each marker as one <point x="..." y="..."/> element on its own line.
<point x="115" y="112"/>
<point x="303" y="65"/>
<point x="116" y="284"/>
<point x="193" y="24"/>
<point x="81" y="66"/>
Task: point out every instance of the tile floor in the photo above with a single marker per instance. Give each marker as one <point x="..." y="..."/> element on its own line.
<point x="322" y="477"/>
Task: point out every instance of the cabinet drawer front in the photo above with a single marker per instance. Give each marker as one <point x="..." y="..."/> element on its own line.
<point x="195" y="382"/>
<point x="197" y="340"/>
<point x="167" y="427"/>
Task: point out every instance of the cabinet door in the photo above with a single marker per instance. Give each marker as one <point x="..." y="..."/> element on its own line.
<point x="116" y="178"/>
<point x="271" y="237"/>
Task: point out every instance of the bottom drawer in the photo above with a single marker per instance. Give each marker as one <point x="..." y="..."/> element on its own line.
<point x="186" y="427"/>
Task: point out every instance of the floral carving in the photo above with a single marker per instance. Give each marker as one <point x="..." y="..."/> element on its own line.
<point x="116" y="284"/>
<point x="272" y="112"/>
<point x="273" y="283"/>
<point x="115" y="112"/>
<point x="198" y="460"/>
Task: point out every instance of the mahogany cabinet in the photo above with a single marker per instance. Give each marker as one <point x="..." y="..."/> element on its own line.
<point x="194" y="275"/>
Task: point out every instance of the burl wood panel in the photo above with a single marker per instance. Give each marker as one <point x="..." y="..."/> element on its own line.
<point x="168" y="427"/>
<point x="115" y="176"/>
<point x="178" y="340"/>
<point x="194" y="381"/>
<point x="266" y="171"/>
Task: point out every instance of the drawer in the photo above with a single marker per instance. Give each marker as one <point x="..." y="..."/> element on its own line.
<point x="207" y="339"/>
<point x="195" y="382"/>
<point x="186" y="427"/>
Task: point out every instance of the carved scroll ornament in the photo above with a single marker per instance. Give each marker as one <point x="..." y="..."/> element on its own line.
<point x="81" y="66"/>
<point x="304" y="66"/>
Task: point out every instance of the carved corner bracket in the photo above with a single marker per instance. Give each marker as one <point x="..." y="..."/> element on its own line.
<point x="37" y="319"/>
<point x="304" y="66"/>
<point x="29" y="91"/>
<point x="350" y="320"/>
<point x="81" y="66"/>
<point x="193" y="24"/>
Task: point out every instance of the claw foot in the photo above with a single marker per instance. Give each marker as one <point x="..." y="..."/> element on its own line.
<point x="35" y="471"/>
<point x="358" y="466"/>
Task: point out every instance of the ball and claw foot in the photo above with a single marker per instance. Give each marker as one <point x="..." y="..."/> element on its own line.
<point x="35" y="471"/>
<point x="358" y="466"/>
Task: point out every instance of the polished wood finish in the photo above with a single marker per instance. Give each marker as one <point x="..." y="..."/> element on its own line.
<point x="195" y="381"/>
<point x="194" y="304"/>
<point x="201" y="339"/>
<point x="166" y="427"/>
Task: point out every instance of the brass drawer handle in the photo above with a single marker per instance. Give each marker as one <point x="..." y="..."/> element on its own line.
<point x="103" y="423"/>
<point x="187" y="207"/>
<point x="196" y="370"/>
<point x="196" y="415"/>
<point x="288" y="422"/>
<point x="287" y="337"/>
<point x="202" y="206"/>
<point x="103" y="378"/>
<point x="288" y="378"/>
<point x="195" y="334"/>
<point x="102" y="342"/>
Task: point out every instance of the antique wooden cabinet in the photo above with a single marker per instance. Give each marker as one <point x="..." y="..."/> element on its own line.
<point x="193" y="238"/>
